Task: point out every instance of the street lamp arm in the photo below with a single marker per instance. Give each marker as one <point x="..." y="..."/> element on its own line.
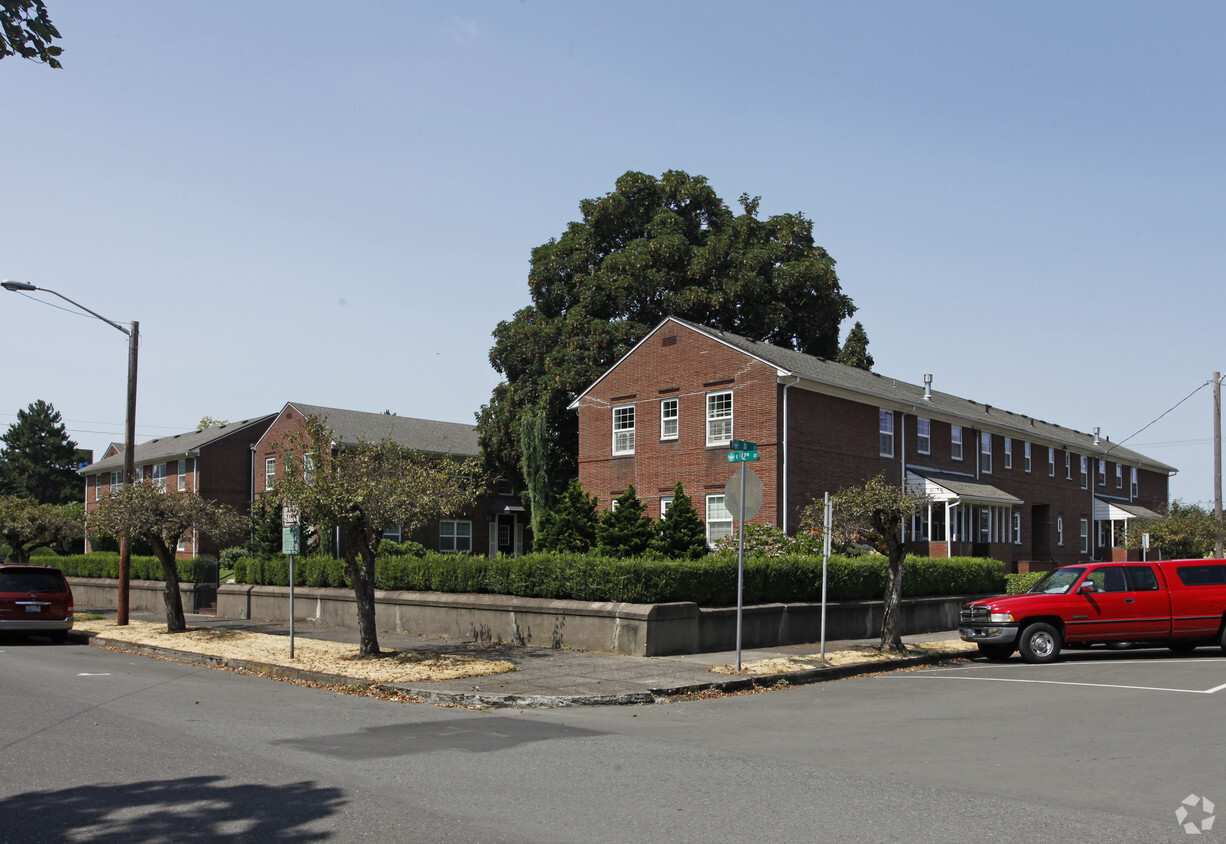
<point x="22" y="287"/>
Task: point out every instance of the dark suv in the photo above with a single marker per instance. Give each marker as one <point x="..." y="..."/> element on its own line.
<point x="35" y="599"/>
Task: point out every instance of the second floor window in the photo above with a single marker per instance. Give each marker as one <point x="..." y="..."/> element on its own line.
<point x="159" y="476"/>
<point x="270" y="472"/>
<point x="1026" y="456"/>
<point x="1084" y="464"/>
<point x="1119" y="476"/>
<point x="955" y="442"/>
<point x="1134" y="487"/>
<point x="182" y="476"/>
<point x="1051" y="462"/>
<point x="623" y="429"/>
<point x="923" y="436"/>
<point x="985" y="453"/>
<point x="719" y="418"/>
<point x="1102" y="472"/>
<point x="669" y="418"/>
<point x="885" y="426"/>
<point x="1008" y="453"/>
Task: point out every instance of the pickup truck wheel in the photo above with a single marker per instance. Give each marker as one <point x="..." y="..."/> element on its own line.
<point x="1182" y="647"/>
<point x="1040" y="642"/>
<point x="1222" y="640"/>
<point x="996" y="653"/>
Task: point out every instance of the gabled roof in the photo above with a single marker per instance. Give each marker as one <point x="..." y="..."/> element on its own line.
<point x="352" y="426"/>
<point x="822" y="375"/>
<point x="180" y="445"/>
<point x="943" y="486"/>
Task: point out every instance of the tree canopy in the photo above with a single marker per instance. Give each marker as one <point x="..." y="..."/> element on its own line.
<point x="26" y="30"/>
<point x="363" y="489"/>
<point x="681" y="533"/>
<point x="39" y="460"/>
<point x="855" y="349"/>
<point x="652" y="248"/>
<point x="150" y="514"/>
<point x="26" y="525"/>
<point x="1186" y="531"/>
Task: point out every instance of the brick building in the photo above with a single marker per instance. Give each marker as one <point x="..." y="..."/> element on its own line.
<point x="215" y="463"/>
<point x="495" y="525"/>
<point x="1001" y="484"/>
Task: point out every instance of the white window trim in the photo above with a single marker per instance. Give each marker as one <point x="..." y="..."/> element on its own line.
<point x="923" y="436"/>
<point x="1026" y="456"/>
<point x="625" y="432"/>
<point x="159" y="476"/>
<point x="985" y="453"/>
<point x="1102" y="472"/>
<point x="1051" y="462"/>
<point x="1017" y="528"/>
<point x="666" y="501"/>
<point x="455" y="536"/>
<point x="1060" y="531"/>
<point x="674" y="418"/>
<point x="1068" y="465"/>
<point x="713" y="420"/>
<point x="955" y="442"/>
<point x="1008" y="452"/>
<point x="1119" y="476"/>
<point x="182" y="476"/>
<point x="270" y="472"/>
<point x="1084" y="533"/>
<point x="885" y="431"/>
<point x="1084" y="465"/>
<point x="1134" y="484"/>
<point x="710" y="522"/>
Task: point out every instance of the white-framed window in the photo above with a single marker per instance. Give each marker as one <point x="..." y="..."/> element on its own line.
<point x="116" y="480"/>
<point x="666" y="501"/>
<point x="455" y="536"/>
<point x="719" y="519"/>
<point x="1060" y="531"/>
<point x="923" y="436"/>
<point x="985" y="524"/>
<point x="1008" y="453"/>
<point x="1119" y="476"/>
<point x="182" y="544"/>
<point x="98" y="488"/>
<point x="182" y="475"/>
<point x="1133" y="486"/>
<point x="308" y="468"/>
<point x="985" y="453"/>
<point x="159" y="476"/>
<point x="955" y="442"/>
<point x="1068" y="465"/>
<point x="885" y="427"/>
<point x="393" y="533"/>
<point x="1051" y="462"/>
<point x="270" y="472"/>
<point x="719" y="418"/>
<point x="1017" y="528"/>
<point x="139" y="474"/>
<point x="1085" y="536"/>
<point x="1026" y="456"/>
<point x="1084" y="465"/>
<point x="623" y="429"/>
<point x="669" y="419"/>
<point x="1102" y="472"/>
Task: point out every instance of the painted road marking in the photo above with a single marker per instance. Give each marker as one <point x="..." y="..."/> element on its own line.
<point x="953" y="672"/>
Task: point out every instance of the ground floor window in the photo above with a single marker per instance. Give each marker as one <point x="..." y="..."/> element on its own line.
<point x="719" y="519"/>
<point x="455" y="536"/>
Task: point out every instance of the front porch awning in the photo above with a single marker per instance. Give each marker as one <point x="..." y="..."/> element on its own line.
<point x="1120" y="511"/>
<point x="943" y="487"/>
<point x="502" y="507"/>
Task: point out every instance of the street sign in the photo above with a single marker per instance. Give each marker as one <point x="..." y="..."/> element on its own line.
<point x="742" y="445"/>
<point x="291" y="540"/>
<point x="742" y="456"/>
<point x="754" y="491"/>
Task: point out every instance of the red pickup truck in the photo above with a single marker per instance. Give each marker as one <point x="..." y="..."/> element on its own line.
<point x="1179" y="604"/>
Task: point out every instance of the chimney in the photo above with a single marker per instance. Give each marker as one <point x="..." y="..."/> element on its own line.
<point x="928" y="387"/>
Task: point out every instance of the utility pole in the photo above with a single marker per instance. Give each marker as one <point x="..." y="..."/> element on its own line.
<point x="1217" y="461"/>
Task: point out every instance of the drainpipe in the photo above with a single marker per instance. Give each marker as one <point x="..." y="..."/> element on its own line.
<point x="784" y="520"/>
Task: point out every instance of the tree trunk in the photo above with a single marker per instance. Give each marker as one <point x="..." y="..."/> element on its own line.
<point x="175" y="621"/>
<point x="361" y="571"/>
<point x="891" y="617"/>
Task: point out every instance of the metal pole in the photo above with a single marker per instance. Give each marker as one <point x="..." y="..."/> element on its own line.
<point x="827" y="523"/>
<point x="1217" y="461"/>
<point x="291" y="606"/>
<point x="740" y="571"/>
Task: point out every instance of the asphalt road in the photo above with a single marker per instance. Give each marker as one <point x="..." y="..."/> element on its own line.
<point x="1103" y="746"/>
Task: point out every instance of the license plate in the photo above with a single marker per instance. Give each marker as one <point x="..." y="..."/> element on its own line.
<point x="33" y="609"/>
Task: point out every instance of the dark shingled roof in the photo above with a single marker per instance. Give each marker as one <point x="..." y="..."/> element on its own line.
<point x="179" y="445"/>
<point x="353" y="426"/>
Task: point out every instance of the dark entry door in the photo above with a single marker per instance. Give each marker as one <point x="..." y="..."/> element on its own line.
<point x="506" y="533"/>
<point x="1040" y="532"/>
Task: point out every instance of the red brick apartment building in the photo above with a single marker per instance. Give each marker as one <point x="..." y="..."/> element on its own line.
<point x="1001" y="484"/>
<point x="495" y="525"/>
<point x="215" y="463"/>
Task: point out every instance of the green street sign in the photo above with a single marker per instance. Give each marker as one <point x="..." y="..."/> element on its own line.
<point x="291" y="540"/>
<point x="742" y="445"/>
<point x="742" y="456"/>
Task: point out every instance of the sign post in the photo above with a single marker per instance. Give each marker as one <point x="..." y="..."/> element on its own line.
<point x="744" y="493"/>
<point x="291" y="544"/>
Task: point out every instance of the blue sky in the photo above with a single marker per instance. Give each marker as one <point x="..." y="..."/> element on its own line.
<point x="336" y="203"/>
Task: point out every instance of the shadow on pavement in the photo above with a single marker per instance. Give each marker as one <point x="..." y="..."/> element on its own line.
<point x="190" y="809"/>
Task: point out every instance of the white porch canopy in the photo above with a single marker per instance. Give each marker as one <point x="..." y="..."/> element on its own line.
<point x="962" y="509"/>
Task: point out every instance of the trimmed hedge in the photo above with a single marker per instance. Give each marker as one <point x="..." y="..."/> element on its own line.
<point x="710" y="581"/>
<point x="106" y="564"/>
<point x="1016" y="584"/>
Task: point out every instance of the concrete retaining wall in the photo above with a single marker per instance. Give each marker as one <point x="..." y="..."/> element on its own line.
<point x="633" y="629"/>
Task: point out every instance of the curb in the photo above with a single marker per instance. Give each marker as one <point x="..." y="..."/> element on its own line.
<point x="803" y="677"/>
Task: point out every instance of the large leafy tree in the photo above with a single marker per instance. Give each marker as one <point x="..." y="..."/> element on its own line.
<point x="26" y="30"/>
<point x="39" y="460"/>
<point x="26" y="525"/>
<point x="1186" y="531"/>
<point x="363" y="489"/>
<point x="652" y="248"/>
<point x="150" y="514"/>
<point x="876" y="510"/>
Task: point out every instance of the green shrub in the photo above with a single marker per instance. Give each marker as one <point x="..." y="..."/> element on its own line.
<point x="1016" y="584"/>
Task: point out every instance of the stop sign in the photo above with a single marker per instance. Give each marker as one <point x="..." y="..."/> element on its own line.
<point x="753" y="494"/>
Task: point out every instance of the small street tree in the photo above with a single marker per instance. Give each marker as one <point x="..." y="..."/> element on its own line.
<point x="1185" y="531"/>
<point x="625" y="531"/>
<point x="26" y="525"/>
<point x="162" y="519"/>
<point x="39" y="460"/>
<point x="878" y="508"/>
<point x="570" y="525"/>
<point x="363" y="489"/>
<point x="682" y="534"/>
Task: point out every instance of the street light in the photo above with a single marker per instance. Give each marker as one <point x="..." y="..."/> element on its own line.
<point x="129" y="429"/>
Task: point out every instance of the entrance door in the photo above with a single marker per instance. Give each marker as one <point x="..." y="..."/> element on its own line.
<point x="1040" y="532"/>
<point x="506" y="533"/>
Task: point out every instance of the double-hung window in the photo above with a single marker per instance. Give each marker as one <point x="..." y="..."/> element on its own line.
<point x="923" y="436"/>
<point x="1008" y="453"/>
<point x="1060" y="530"/>
<point x="1102" y="472"/>
<point x="669" y="417"/>
<point x="623" y="429"/>
<point x="116" y="480"/>
<point x="1084" y="465"/>
<point x="270" y="472"/>
<point x="159" y="476"/>
<point x="719" y="519"/>
<point x="955" y="442"/>
<point x="98" y="488"/>
<point x="666" y="501"/>
<point x="885" y="428"/>
<point x="455" y="536"/>
<point x="1134" y="487"/>
<point x="1026" y="456"/>
<point x="1085" y="536"/>
<point x="182" y="476"/>
<point x="1068" y="465"/>
<point x="1051" y="462"/>
<point x="1119" y="476"/>
<point x="719" y="418"/>
<point x="985" y="453"/>
<point x="1017" y="528"/>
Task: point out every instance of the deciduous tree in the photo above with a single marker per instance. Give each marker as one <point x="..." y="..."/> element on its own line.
<point x="1186" y="531"/>
<point x="26" y="30"/>
<point x="877" y="507"/>
<point x="39" y="460"/>
<point x="652" y="248"/>
<point x="363" y="489"/>
<point x="26" y="525"/>
<point x="163" y="519"/>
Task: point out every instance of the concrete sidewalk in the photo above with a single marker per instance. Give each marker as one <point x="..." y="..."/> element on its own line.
<point x="552" y="677"/>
